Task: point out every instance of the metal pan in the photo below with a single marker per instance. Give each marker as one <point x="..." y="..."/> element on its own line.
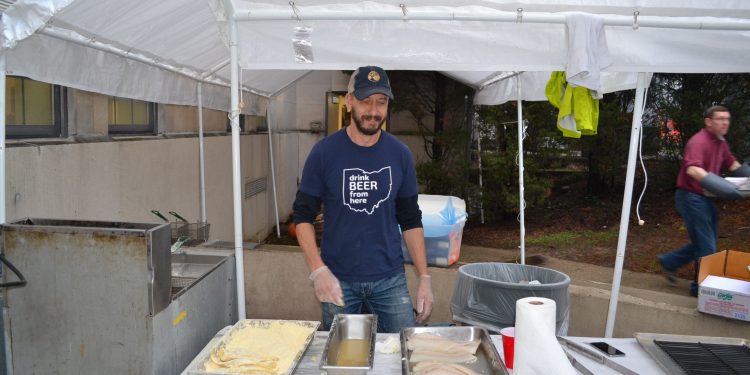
<point x="349" y="326"/>
<point x="488" y="361"/>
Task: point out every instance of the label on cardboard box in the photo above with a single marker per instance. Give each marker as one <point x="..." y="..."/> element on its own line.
<point x="725" y="297"/>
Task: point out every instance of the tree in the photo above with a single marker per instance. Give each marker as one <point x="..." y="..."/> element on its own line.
<point x="675" y="106"/>
<point x="438" y="106"/>
<point x="498" y="130"/>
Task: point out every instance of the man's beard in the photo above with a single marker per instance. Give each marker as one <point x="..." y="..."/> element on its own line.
<point x="358" y="122"/>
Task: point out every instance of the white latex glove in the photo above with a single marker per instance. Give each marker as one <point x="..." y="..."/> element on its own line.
<point x="327" y="287"/>
<point x="424" y="298"/>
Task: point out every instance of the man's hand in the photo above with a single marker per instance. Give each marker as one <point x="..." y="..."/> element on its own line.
<point x="327" y="288"/>
<point x="424" y="299"/>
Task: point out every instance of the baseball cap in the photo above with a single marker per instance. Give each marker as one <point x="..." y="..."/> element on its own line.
<point x="368" y="80"/>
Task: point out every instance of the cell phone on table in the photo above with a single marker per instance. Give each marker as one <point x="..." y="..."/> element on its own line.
<point x="607" y="349"/>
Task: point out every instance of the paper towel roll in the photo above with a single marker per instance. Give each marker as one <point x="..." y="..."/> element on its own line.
<point x="537" y="351"/>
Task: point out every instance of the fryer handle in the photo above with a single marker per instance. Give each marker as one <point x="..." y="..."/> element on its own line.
<point x="12" y="284"/>
<point x="157" y="213"/>
<point x="175" y="214"/>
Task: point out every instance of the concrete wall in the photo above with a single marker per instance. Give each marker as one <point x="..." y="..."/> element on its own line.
<point x="277" y="287"/>
<point x="125" y="180"/>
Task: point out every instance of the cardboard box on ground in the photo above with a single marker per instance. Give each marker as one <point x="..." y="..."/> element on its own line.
<point x="724" y="284"/>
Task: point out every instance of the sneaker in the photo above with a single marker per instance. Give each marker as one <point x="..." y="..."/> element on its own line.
<point x="670" y="275"/>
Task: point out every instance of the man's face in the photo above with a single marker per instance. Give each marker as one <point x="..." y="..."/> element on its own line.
<point x="368" y="114"/>
<point x="718" y="124"/>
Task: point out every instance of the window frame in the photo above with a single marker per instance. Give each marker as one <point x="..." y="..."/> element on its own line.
<point x="59" y="112"/>
<point x="133" y="129"/>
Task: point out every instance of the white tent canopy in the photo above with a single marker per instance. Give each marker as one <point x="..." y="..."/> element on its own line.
<point x="122" y="48"/>
<point x="190" y="36"/>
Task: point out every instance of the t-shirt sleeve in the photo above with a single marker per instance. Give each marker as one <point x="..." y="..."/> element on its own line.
<point x="312" y="174"/>
<point x="693" y="155"/>
<point x="409" y="186"/>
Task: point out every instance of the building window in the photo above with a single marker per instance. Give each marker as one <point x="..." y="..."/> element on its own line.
<point x="129" y="116"/>
<point x="33" y="109"/>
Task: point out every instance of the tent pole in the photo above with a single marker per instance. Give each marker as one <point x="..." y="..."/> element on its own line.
<point x="236" y="174"/>
<point x="269" y="110"/>
<point x="522" y="202"/>
<point x="2" y="137"/>
<point x="481" y="187"/>
<point x="201" y="154"/>
<point x="635" y="132"/>
<point x="5" y="312"/>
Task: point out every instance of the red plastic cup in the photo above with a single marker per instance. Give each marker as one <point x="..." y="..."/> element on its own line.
<point x="509" y="338"/>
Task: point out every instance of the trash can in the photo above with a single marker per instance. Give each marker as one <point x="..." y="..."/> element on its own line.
<point x="485" y="294"/>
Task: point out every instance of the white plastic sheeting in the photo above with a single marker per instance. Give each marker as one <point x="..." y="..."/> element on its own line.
<point x="533" y="84"/>
<point x="116" y="76"/>
<point x="190" y="36"/>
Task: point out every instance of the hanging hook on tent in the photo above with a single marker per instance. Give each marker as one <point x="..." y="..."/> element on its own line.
<point x="403" y="10"/>
<point x="635" y="19"/>
<point x="295" y="11"/>
<point x="519" y="15"/>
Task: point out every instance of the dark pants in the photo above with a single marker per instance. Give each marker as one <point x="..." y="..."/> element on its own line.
<point x="702" y="221"/>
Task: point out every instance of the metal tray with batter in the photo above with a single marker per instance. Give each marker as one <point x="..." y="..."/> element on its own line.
<point x="258" y="323"/>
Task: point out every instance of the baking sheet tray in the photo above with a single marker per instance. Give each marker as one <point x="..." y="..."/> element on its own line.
<point x="260" y="323"/>
<point x="646" y="340"/>
<point x="488" y="361"/>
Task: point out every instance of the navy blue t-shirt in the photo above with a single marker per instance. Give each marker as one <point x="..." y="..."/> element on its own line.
<point x="358" y="187"/>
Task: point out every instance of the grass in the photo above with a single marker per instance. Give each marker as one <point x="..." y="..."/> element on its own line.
<point x="569" y="238"/>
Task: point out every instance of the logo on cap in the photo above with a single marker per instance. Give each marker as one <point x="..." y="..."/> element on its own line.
<point x="373" y="76"/>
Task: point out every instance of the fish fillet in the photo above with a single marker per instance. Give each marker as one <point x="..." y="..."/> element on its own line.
<point x="432" y="368"/>
<point x="427" y="347"/>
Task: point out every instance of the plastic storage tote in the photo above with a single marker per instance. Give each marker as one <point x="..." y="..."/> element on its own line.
<point x="443" y="219"/>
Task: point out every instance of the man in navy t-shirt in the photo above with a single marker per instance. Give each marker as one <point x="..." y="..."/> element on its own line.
<point x="366" y="181"/>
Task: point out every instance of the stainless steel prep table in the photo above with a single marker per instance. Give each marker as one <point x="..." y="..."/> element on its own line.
<point x="635" y="358"/>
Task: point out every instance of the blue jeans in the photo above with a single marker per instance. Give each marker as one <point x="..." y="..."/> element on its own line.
<point x="702" y="221"/>
<point x="387" y="298"/>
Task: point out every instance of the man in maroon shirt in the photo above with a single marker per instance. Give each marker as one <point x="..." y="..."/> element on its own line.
<point x="705" y="156"/>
